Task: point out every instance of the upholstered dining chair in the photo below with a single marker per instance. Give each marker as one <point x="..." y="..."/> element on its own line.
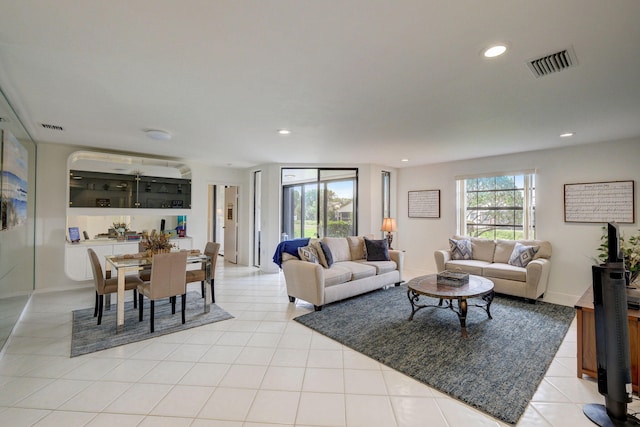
<point x="168" y="273"/>
<point x="145" y="273"/>
<point x="108" y="285"/>
<point x="199" y="275"/>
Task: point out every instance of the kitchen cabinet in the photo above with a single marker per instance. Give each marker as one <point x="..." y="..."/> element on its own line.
<point x="109" y="190"/>
<point x="78" y="266"/>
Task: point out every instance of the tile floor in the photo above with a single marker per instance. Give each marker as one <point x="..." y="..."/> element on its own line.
<point x="258" y="369"/>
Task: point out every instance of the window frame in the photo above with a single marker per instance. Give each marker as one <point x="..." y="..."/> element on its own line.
<point x="527" y="207"/>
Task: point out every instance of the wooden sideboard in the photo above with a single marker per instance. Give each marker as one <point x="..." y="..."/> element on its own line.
<point x="586" y="355"/>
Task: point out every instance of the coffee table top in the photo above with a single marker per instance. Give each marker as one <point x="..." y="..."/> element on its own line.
<point x="429" y="286"/>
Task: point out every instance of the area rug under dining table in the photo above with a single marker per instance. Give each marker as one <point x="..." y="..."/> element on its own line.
<point x="88" y="337"/>
<point x="497" y="369"/>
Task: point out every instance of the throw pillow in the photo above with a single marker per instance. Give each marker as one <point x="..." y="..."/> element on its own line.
<point x="522" y="255"/>
<point x="460" y="249"/>
<point x="327" y="255"/>
<point x="377" y="250"/>
<point x="309" y="254"/>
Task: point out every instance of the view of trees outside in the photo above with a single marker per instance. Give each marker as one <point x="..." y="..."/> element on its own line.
<point x="495" y="207"/>
<point x="304" y="211"/>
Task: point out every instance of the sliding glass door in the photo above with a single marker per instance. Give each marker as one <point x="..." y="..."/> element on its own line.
<point x="319" y="202"/>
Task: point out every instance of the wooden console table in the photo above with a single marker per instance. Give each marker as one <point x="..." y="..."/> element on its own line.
<point x="586" y="355"/>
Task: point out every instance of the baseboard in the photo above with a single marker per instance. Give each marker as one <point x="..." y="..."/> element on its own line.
<point x="561" y="299"/>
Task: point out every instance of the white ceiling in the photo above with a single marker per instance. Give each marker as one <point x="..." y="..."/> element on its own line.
<point x="356" y="81"/>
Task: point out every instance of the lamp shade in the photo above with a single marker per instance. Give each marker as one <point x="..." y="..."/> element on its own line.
<point x="388" y="224"/>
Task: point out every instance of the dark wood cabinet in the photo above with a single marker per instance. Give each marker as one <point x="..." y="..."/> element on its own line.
<point x="586" y="352"/>
<point x="108" y="190"/>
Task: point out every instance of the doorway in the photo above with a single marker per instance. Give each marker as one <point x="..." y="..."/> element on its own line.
<point x="223" y="219"/>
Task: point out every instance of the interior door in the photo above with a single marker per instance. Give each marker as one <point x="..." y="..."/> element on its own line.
<point x="231" y="224"/>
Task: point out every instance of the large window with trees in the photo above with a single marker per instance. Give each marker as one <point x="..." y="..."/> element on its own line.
<point x="497" y="207"/>
<point x="318" y="202"/>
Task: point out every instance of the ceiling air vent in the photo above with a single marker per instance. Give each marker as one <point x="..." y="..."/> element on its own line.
<point x="51" y="127"/>
<point x="553" y="63"/>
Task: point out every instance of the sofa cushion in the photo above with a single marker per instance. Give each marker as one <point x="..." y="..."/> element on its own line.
<point x="522" y="255"/>
<point x="336" y="275"/>
<point x="309" y="254"/>
<point x="460" y="249"/>
<point x="467" y="266"/>
<point x="504" y="249"/>
<point x="505" y="271"/>
<point x="483" y="249"/>
<point x="358" y="270"/>
<point x="382" y="266"/>
<point x="339" y="247"/>
<point x="356" y="247"/>
<point x="377" y="250"/>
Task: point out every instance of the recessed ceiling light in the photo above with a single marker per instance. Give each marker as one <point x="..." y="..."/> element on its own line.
<point x="494" y="51"/>
<point x="284" y="131"/>
<point x="157" y="134"/>
<point x="566" y="135"/>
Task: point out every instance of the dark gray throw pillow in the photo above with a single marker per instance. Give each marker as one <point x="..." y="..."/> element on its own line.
<point x="327" y="254"/>
<point x="377" y="250"/>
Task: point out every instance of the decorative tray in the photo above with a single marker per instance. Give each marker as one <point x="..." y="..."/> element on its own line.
<point x="452" y="278"/>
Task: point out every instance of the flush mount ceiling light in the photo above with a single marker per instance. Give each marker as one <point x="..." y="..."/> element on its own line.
<point x="404" y="160"/>
<point x="494" y="51"/>
<point x="284" y="131"/>
<point x="158" y="135"/>
<point x="567" y="135"/>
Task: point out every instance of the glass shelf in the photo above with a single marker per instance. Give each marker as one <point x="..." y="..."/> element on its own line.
<point x="108" y="190"/>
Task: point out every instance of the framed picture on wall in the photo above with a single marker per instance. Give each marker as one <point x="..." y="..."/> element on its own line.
<point x="14" y="178"/>
<point x="600" y="202"/>
<point x="424" y="204"/>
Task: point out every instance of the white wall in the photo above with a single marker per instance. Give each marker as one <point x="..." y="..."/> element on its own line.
<point x="51" y="211"/>
<point x="574" y="245"/>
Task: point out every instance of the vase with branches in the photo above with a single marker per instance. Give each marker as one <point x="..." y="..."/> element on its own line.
<point x="157" y="244"/>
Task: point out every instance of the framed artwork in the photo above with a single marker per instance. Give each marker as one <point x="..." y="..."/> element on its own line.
<point x="424" y="204"/>
<point x="600" y="202"/>
<point x="13" y="178"/>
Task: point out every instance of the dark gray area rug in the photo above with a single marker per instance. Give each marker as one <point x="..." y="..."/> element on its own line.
<point x="88" y="337"/>
<point x="497" y="369"/>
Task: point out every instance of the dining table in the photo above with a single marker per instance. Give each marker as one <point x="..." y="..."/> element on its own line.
<point x="124" y="264"/>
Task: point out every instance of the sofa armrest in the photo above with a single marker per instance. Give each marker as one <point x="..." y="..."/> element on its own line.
<point x="441" y="256"/>
<point x="537" y="277"/>
<point x="398" y="258"/>
<point x="304" y="280"/>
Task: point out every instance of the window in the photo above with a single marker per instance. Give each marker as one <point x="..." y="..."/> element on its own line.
<point x="319" y="202"/>
<point x="386" y="196"/>
<point x="497" y="207"/>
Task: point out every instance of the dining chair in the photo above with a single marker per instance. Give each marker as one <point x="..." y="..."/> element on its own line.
<point x="145" y="273"/>
<point x="108" y="285"/>
<point x="168" y="273"/>
<point x="211" y="249"/>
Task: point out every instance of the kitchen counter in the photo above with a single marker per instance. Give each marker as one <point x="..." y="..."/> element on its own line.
<point x="77" y="265"/>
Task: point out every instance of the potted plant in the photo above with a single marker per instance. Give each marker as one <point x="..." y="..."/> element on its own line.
<point x="630" y="248"/>
<point x="121" y="228"/>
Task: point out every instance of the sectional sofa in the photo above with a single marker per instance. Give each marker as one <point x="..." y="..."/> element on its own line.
<point x="352" y="270"/>
<point x="516" y="267"/>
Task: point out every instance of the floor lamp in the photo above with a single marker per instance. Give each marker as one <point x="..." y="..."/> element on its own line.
<point x="389" y="225"/>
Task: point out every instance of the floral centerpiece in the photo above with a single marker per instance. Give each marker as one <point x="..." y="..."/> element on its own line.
<point x="157" y="244"/>
<point x="630" y="248"/>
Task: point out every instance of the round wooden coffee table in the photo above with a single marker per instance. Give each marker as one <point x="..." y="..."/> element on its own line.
<point x="478" y="287"/>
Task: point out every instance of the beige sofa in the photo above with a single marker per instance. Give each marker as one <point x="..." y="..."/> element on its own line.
<point x="490" y="259"/>
<point x="350" y="275"/>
